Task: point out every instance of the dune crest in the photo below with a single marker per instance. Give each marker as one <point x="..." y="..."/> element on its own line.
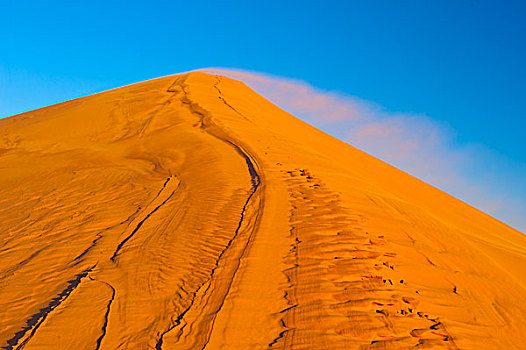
<point x="188" y="212"/>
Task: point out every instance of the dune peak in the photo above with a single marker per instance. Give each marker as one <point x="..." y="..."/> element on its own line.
<point x="189" y="212"/>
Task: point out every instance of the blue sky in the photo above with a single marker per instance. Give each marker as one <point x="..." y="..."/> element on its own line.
<point x="458" y="63"/>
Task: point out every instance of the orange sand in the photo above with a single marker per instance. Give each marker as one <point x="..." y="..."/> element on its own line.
<point x="188" y="212"/>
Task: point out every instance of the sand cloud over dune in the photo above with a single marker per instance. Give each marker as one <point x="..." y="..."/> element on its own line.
<point x="416" y="143"/>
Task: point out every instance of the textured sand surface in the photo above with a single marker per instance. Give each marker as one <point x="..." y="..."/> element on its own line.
<point x="188" y="212"/>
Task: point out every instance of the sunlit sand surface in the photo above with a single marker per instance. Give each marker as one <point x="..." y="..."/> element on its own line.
<point x="188" y="212"/>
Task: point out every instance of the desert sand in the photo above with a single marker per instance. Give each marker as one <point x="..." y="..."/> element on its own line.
<point x="188" y="212"/>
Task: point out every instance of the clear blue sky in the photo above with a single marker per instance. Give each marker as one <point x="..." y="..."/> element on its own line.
<point x="458" y="62"/>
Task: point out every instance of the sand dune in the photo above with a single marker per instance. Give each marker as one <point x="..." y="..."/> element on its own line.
<point x="188" y="212"/>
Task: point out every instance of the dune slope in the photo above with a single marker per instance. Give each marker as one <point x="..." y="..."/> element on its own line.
<point x="188" y="212"/>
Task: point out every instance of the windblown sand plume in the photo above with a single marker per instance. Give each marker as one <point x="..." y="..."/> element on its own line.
<point x="188" y="212"/>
